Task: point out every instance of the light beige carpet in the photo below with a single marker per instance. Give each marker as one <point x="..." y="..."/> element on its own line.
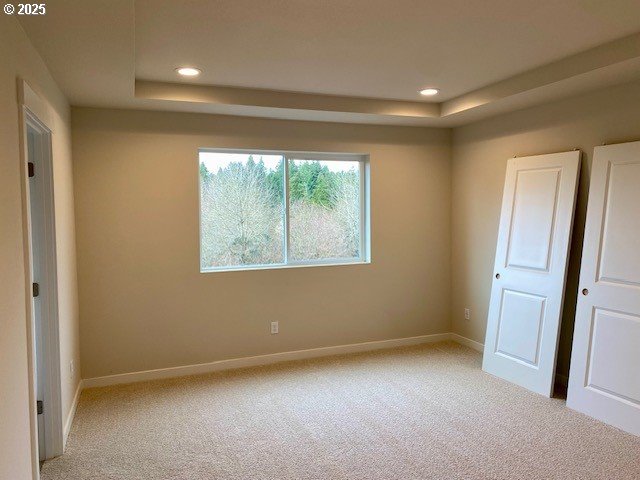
<point x="425" y="412"/>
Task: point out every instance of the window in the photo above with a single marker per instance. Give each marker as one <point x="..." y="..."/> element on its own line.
<point x="262" y="209"/>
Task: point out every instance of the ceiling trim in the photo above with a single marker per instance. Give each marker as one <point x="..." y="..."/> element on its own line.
<point x="212" y="94"/>
<point x="606" y="55"/>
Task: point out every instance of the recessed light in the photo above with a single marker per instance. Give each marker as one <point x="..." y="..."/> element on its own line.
<point x="188" y="71"/>
<point x="428" y="92"/>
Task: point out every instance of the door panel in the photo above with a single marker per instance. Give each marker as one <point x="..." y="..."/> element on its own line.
<point x="620" y="256"/>
<point x="604" y="381"/>
<point x="615" y="341"/>
<point x="535" y="201"/>
<point x="530" y="269"/>
<point x="520" y="326"/>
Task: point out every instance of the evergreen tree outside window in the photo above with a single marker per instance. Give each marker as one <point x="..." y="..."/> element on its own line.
<point x="275" y="209"/>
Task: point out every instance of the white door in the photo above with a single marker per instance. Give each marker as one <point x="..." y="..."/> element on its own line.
<point x="530" y="269"/>
<point x="604" y="380"/>
<point x="38" y="266"/>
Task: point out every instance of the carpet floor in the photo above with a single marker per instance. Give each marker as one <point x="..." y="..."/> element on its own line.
<point x="424" y="412"/>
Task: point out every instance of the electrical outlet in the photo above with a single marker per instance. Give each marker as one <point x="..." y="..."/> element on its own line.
<point x="467" y="314"/>
<point x="72" y="368"/>
<point x="274" y="328"/>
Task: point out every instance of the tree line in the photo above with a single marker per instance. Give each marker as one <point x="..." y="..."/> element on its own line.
<point x="242" y="213"/>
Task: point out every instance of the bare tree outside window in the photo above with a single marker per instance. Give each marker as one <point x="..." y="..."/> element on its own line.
<point x="241" y="211"/>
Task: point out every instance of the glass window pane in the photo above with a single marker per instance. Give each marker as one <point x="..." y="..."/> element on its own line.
<point x="324" y="209"/>
<point x="241" y="209"/>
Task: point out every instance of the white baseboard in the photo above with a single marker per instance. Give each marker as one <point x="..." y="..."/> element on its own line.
<point x="467" y="342"/>
<point x="259" y="360"/>
<point x="72" y="414"/>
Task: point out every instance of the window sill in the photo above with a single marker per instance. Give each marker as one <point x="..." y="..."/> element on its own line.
<point x="281" y="266"/>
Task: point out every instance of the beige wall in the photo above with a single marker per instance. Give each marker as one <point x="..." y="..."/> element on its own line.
<point x="68" y="304"/>
<point x="480" y="153"/>
<point x="19" y="59"/>
<point x="145" y="305"/>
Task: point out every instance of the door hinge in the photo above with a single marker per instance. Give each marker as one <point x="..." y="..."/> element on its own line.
<point x="40" y="407"/>
<point x="36" y="289"/>
<point x="32" y="169"/>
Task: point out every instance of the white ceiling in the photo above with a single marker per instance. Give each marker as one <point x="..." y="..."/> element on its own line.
<point x="378" y="49"/>
<point x="369" y="48"/>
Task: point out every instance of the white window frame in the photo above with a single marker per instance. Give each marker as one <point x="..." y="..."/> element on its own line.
<point x="365" y="220"/>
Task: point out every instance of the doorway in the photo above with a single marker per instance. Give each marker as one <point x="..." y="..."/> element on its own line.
<point x="43" y="288"/>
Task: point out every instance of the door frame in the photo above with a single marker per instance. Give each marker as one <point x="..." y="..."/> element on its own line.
<point x="34" y="113"/>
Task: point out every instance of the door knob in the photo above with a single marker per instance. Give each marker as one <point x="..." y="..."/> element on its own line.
<point x="585" y="291"/>
<point x="497" y="276"/>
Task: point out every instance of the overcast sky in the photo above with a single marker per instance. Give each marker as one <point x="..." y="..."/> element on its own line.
<point x="216" y="160"/>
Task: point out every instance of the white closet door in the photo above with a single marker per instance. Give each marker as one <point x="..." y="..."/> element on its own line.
<point x="530" y="269"/>
<point x="604" y="380"/>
